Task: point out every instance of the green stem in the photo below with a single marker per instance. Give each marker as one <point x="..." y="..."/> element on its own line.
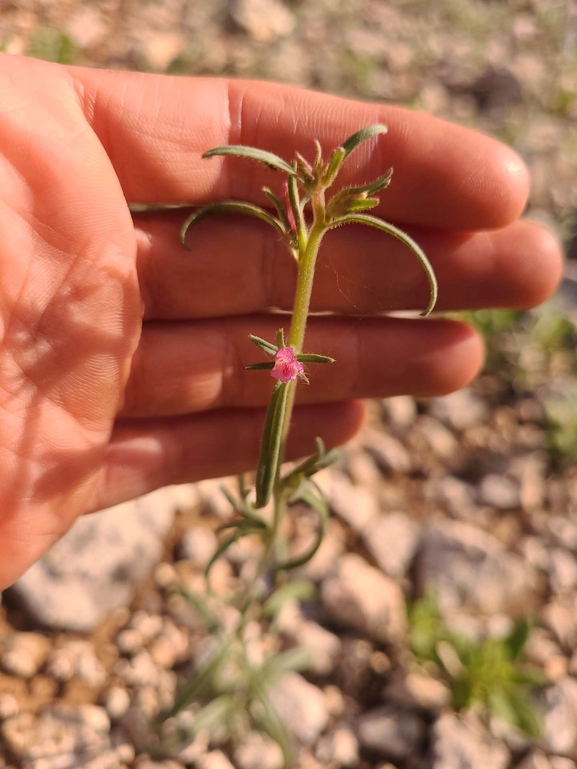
<point x="303" y="292"/>
<point x="301" y="307"/>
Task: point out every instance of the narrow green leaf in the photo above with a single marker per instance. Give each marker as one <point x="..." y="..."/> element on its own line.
<point x="500" y="704"/>
<point x="296" y="589"/>
<point x="268" y="721"/>
<point x="295" y="659"/>
<point x="222" y="548"/>
<point x="379" y="184"/>
<point x="271" y="443"/>
<point x="335" y="162"/>
<point x="362" y="136"/>
<point x="263" y="345"/>
<point x="320" y="507"/>
<point x="279" y="207"/>
<point x="266" y="366"/>
<point x="526" y="714"/>
<point x="296" y="207"/>
<point x="372" y="221"/>
<point x="243" y="508"/>
<point x="199" y="684"/>
<point x="210" y="619"/>
<point x="217" y="712"/>
<point x="518" y="637"/>
<point x="280" y="339"/>
<point x="312" y="357"/>
<point x="229" y="207"/>
<point x="252" y="153"/>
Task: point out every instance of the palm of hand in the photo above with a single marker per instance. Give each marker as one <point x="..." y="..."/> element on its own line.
<point x="70" y="314"/>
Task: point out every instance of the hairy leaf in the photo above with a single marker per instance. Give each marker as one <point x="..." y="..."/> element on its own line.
<point x="362" y="136"/>
<point x="252" y="153"/>
<point x="229" y="207"/>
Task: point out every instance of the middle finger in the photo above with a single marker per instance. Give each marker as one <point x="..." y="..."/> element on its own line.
<point x="237" y="266"/>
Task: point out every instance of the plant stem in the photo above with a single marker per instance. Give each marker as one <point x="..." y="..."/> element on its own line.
<point x="303" y="292"/>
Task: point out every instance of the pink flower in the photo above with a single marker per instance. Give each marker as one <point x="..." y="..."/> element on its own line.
<point x="286" y="366"/>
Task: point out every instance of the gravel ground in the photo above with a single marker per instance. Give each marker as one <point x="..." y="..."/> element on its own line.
<point x="472" y="496"/>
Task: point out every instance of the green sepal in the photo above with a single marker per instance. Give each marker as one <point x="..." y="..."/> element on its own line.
<point x="335" y="162"/>
<point x="362" y="136"/>
<point x="229" y="207"/>
<point x="271" y="444"/>
<point x="361" y="204"/>
<point x="280" y="340"/>
<point x="312" y="357"/>
<point x="341" y="199"/>
<point x="390" y="229"/>
<point x="265" y="366"/>
<point x="252" y="153"/>
<point x="263" y="345"/>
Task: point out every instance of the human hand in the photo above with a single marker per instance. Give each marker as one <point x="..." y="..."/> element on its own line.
<point x="121" y="355"/>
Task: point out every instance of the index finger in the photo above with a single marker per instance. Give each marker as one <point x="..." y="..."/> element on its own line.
<point x="155" y="128"/>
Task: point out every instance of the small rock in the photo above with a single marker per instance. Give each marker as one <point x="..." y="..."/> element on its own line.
<point x="258" y="752"/>
<point x="334" y="700"/>
<point x="500" y="492"/>
<point x="562" y="570"/>
<point x="301" y="706"/>
<point x="162" y="48"/>
<point x="163" y="652"/>
<point x="392" y="539"/>
<point x="339" y="748"/>
<point x="467" y="566"/>
<point x="388" y="452"/>
<point x="139" y="671"/>
<point x="358" y="595"/>
<point x="76" y="658"/>
<point x="560" y="617"/>
<point x="441" y="441"/>
<point x="456" y="495"/>
<point x="401" y="410"/>
<point x="323" y="561"/>
<point x="418" y="691"/>
<point x="8" y="706"/>
<point x="391" y="732"/>
<point x="535" y="761"/>
<point x="214" y="760"/>
<point x="198" y="544"/>
<point x="560" y="762"/>
<point x="459" y="410"/>
<point x="465" y="744"/>
<point x="563" y="530"/>
<point x="129" y="641"/>
<point x="535" y="553"/>
<point x="354" y="504"/>
<point x="24" y="653"/>
<point x="324" y="646"/>
<point x="94" y="567"/>
<point x="116" y="702"/>
<point x="560" y="721"/>
<point x="264" y="20"/>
